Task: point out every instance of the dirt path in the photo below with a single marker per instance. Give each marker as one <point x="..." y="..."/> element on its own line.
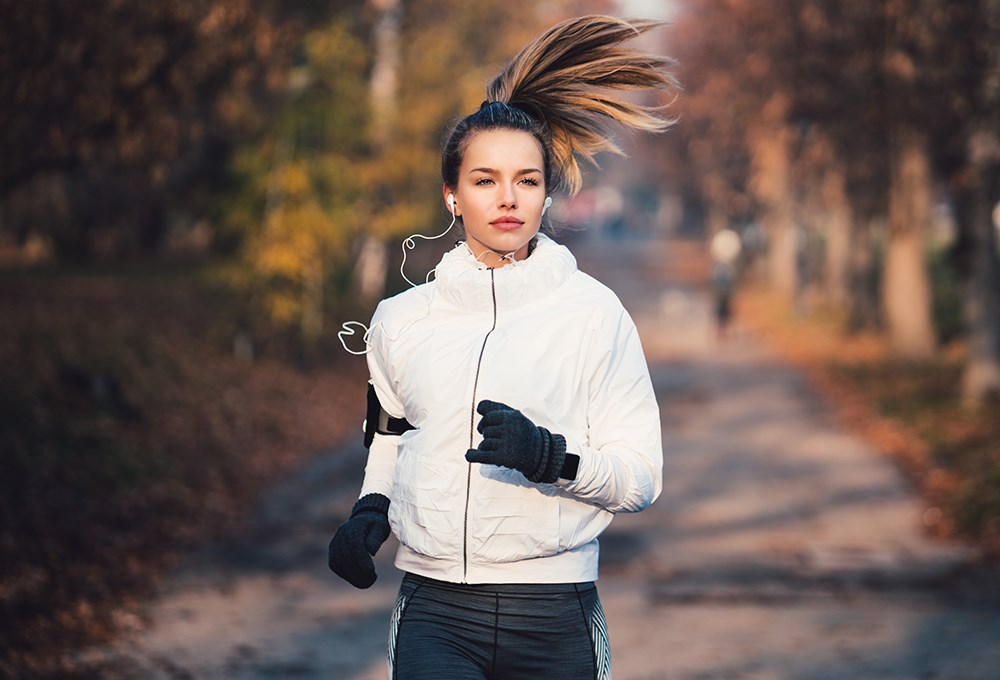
<point x="781" y="548"/>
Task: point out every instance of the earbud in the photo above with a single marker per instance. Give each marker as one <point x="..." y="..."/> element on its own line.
<point x="548" y="202"/>
<point x="451" y="202"/>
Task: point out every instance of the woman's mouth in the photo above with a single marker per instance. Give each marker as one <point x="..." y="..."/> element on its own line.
<point x="507" y="223"/>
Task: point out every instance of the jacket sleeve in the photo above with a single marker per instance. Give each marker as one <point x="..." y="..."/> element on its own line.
<point x="381" y="466"/>
<point x="621" y="466"/>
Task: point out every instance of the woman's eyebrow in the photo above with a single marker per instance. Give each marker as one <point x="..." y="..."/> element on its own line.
<point x="525" y="171"/>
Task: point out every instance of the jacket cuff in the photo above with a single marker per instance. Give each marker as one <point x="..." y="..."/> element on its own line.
<point x="373" y="502"/>
<point x="555" y="458"/>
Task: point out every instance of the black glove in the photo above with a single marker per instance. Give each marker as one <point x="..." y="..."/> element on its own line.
<point x="511" y="440"/>
<point x="357" y="539"/>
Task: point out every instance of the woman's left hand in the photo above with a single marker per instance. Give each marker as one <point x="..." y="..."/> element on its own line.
<point x="511" y="440"/>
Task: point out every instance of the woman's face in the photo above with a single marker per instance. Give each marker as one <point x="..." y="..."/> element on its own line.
<point x="500" y="194"/>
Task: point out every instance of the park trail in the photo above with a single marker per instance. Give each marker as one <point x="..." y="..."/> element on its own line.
<point x="782" y="547"/>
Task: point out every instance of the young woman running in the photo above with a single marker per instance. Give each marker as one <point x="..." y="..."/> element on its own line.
<point x="511" y="413"/>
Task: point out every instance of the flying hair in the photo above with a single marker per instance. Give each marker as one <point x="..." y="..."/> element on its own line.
<point x="573" y="79"/>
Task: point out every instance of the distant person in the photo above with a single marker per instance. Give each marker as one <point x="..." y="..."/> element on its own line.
<point x="511" y="413"/>
<point x="725" y="249"/>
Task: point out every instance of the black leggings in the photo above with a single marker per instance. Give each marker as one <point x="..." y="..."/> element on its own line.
<point x="497" y="632"/>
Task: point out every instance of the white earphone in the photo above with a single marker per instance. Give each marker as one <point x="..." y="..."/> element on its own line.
<point x="548" y="202"/>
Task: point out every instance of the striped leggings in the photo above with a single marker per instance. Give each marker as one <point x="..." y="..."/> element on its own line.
<point x="497" y="632"/>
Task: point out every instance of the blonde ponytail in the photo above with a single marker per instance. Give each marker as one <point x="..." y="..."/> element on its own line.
<point x="570" y="82"/>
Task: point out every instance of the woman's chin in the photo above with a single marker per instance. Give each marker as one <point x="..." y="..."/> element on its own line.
<point x="510" y="241"/>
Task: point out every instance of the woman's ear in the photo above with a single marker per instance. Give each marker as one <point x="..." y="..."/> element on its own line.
<point x="449" y="200"/>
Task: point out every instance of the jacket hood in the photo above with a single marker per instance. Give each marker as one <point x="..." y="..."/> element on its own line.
<point x="465" y="281"/>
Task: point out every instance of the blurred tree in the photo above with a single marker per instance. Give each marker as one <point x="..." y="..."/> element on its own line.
<point x="842" y="92"/>
<point x="707" y="143"/>
<point x="307" y="178"/>
<point x="738" y="69"/>
<point x="372" y="260"/>
<point x="977" y="186"/>
<point x="913" y="32"/>
<point x="110" y="109"/>
<point x="828" y="102"/>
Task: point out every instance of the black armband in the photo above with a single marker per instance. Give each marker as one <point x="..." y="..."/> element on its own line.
<point x="377" y="421"/>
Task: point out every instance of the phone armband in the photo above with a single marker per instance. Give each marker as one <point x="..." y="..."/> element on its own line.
<point x="377" y="421"/>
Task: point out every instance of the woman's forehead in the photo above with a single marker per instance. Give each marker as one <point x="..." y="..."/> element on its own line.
<point x="503" y="148"/>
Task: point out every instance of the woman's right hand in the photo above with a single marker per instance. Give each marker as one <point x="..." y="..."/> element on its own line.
<point x="358" y="539"/>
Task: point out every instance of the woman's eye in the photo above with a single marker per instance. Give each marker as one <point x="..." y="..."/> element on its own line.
<point x="530" y="181"/>
<point x="482" y="181"/>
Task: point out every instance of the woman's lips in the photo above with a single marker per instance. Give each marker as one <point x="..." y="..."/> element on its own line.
<point x="507" y="223"/>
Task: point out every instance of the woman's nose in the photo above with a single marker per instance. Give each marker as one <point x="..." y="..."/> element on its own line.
<point x="508" y="199"/>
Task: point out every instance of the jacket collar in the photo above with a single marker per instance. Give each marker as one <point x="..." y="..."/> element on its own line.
<point x="465" y="282"/>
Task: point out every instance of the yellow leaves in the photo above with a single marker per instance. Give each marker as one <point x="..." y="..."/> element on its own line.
<point x="338" y="64"/>
<point x="404" y="217"/>
<point x="294" y="181"/>
<point x="293" y="241"/>
<point x="311" y="179"/>
<point x="293" y="238"/>
<point x="283" y="309"/>
<point x="335" y="50"/>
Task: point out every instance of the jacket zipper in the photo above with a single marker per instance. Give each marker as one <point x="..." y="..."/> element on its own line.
<point x="472" y="429"/>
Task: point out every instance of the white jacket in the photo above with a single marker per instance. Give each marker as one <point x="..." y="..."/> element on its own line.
<point x="542" y="337"/>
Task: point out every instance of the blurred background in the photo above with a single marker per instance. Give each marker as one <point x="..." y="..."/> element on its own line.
<point x="196" y="194"/>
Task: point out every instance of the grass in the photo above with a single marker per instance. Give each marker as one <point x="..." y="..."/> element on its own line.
<point x="911" y="411"/>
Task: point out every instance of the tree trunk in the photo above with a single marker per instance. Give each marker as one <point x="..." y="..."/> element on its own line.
<point x="770" y="148"/>
<point x="371" y="267"/>
<point x="982" y="285"/>
<point x="372" y="264"/>
<point x="862" y="279"/>
<point x="982" y="302"/>
<point x="906" y="289"/>
<point x="312" y="303"/>
<point x="837" y="228"/>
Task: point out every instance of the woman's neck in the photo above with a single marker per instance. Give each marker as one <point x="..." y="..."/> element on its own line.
<point x="495" y="259"/>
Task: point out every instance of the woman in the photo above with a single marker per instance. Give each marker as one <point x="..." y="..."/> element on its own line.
<point x="511" y="413"/>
